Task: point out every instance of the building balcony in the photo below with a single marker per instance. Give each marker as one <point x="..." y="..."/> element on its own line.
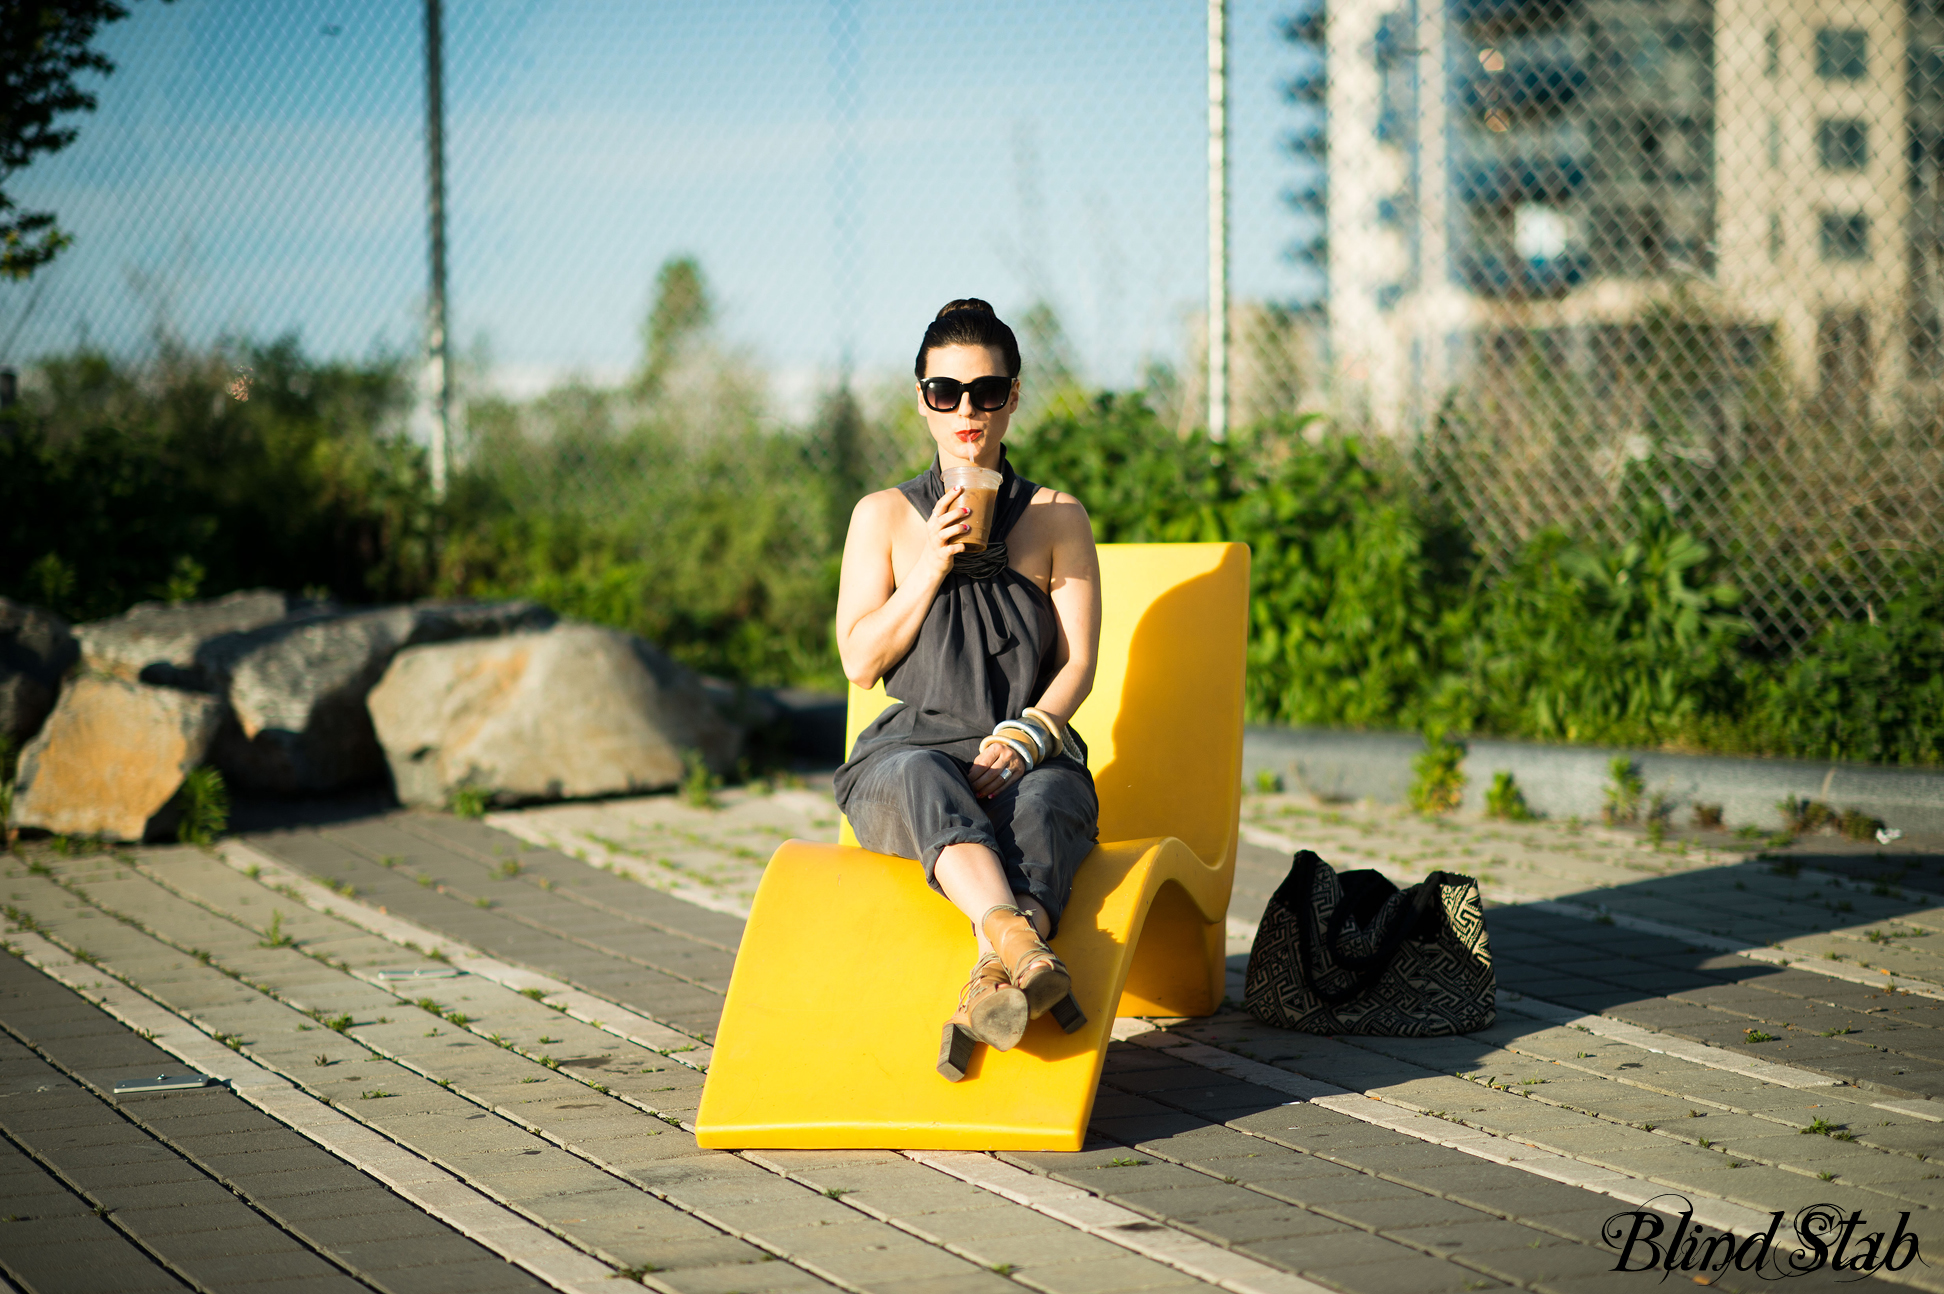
<point x="1310" y="140"/>
<point x="1304" y="26"/>
<point x="1310" y="85"/>
<point x="1314" y="250"/>
<point x="1537" y="85"/>
<point x="1521" y="14"/>
<point x="1310" y="193"/>
<point x="1490" y="274"/>
<point x="1504" y="182"/>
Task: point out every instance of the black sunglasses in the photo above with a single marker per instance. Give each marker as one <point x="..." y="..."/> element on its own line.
<point x="988" y="393"/>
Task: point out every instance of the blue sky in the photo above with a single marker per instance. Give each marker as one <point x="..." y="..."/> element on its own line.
<point x="257" y="168"/>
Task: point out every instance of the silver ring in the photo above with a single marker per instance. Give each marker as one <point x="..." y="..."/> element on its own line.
<point x="1005" y="774"/>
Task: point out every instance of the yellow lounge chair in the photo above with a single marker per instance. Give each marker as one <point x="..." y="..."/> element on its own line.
<point x="806" y="1058"/>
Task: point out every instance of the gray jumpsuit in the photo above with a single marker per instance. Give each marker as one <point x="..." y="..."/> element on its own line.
<point x="984" y="653"/>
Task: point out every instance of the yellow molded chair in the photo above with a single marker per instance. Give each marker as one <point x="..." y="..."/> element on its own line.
<point x="808" y="1056"/>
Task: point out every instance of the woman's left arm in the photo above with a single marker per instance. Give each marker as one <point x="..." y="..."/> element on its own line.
<point x="1076" y="605"/>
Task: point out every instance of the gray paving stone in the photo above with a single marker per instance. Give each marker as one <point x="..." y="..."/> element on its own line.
<point x="966" y="1283"/>
<point x="665" y="1253"/>
<point x="1110" y="1275"/>
<point x="190" y="1245"/>
<point x="1414" y="1210"/>
<point x="930" y="1201"/>
<point x="1018" y="1236"/>
<point x="1304" y="1130"/>
<point x="1144" y="1127"/>
<point x="287" y="1285"/>
<point x="233" y="1269"/>
<point x="487" y="1275"/>
<point x="1329" y="1252"/>
<point x="1280" y="1163"/>
<point x="1198" y="1203"/>
<point x="904" y="1259"/>
<point x="1475" y="1235"/>
<point x="1405" y="1162"/>
<point x="51" y="1242"/>
<point x="788" y="1211"/>
<point x="1247" y="1228"/>
<point x="1581" y="1225"/>
<point x="1415" y="1274"/>
<point x="1546" y="1264"/>
<point x="1332" y="1192"/>
<point x="55" y="1269"/>
<point x="1146" y="1175"/>
<point x="1498" y="1189"/>
<point x="1616" y="957"/>
<point x="1609" y="1282"/>
<point x="740" y="1278"/>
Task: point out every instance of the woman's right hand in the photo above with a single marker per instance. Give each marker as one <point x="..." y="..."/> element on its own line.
<point x="946" y="529"/>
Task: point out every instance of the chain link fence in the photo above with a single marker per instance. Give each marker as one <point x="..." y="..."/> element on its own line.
<point x="1580" y="259"/>
<point x="1607" y="256"/>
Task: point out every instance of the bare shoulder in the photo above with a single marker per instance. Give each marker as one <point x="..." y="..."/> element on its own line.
<point x="881" y="501"/>
<point x="1061" y="510"/>
<point x="879" y="509"/>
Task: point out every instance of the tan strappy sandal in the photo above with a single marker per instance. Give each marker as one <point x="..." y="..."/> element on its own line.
<point x="1029" y="963"/>
<point x="990" y="1010"/>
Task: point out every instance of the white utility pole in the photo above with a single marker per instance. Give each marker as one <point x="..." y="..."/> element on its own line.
<point x="438" y="371"/>
<point x="1218" y="260"/>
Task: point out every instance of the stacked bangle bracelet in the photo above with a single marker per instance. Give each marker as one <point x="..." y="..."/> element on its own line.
<point x="1049" y="723"/>
<point x="986" y="743"/>
<point x="1035" y="726"/>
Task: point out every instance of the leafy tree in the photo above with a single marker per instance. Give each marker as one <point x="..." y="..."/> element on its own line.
<point x="44" y="45"/>
<point x="682" y="310"/>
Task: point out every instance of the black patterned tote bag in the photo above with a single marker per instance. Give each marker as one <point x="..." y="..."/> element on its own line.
<point x="1352" y="953"/>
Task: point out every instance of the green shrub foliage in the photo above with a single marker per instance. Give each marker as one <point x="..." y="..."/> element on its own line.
<point x="681" y="508"/>
<point x="1868" y="690"/>
<point x="120" y="484"/>
<point x="1350" y="617"/>
<point x="1625" y="646"/>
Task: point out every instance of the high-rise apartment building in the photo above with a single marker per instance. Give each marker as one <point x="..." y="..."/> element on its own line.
<point x="1504" y="174"/>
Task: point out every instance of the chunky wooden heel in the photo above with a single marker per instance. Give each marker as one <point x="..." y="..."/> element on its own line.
<point x="990" y="1011"/>
<point x="1068" y="1015"/>
<point x="955" y="1052"/>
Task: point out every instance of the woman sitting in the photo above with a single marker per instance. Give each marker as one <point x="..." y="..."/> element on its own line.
<point x="976" y="774"/>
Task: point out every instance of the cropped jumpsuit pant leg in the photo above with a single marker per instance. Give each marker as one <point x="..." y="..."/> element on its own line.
<point x="916" y="802"/>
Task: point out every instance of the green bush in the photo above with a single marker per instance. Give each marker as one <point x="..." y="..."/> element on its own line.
<point x="120" y="483"/>
<point x="677" y="508"/>
<point x="1506" y="800"/>
<point x="1870" y="690"/>
<point x="1350" y="613"/>
<point x="205" y="806"/>
<point x="721" y="550"/>
<point x="1628" y="646"/>
<point x="1437" y="776"/>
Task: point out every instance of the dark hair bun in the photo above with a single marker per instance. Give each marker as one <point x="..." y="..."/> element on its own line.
<point x="969" y="321"/>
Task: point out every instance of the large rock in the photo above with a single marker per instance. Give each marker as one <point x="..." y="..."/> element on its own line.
<point x="175" y="644"/>
<point x="295" y="673"/>
<point x="576" y="711"/>
<point x="112" y="757"/>
<point x="298" y="690"/>
<point x="36" y="649"/>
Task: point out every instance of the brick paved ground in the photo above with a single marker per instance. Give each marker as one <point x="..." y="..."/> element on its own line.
<point x="463" y="1056"/>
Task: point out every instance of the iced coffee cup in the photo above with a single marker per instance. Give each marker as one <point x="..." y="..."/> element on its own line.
<point x="981" y="486"/>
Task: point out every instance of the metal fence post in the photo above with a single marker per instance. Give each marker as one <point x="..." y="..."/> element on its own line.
<point x="1218" y="286"/>
<point x="439" y="375"/>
